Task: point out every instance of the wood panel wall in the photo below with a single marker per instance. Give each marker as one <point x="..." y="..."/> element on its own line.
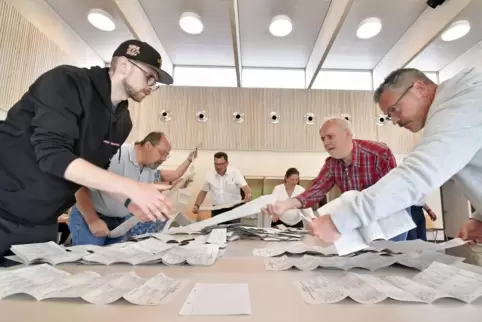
<point x="220" y="132"/>
<point x="25" y="54"/>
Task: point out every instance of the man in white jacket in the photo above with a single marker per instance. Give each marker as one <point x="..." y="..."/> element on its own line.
<point x="451" y="147"/>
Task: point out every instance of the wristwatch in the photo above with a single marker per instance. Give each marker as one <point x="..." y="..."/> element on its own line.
<point x="127" y="202"/>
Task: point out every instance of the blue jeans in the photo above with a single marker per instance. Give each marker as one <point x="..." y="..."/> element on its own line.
<point x="402" y="236"/>
<point x="145" y="228"/>
<point x="81" y="234"/>
<point x="418" y="217"/>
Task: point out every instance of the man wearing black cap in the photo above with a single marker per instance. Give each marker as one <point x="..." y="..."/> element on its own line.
<point x="61" y="135"/>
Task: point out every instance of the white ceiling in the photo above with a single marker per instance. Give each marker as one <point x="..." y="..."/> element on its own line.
<point x="258" y="48"/>
<point x="74" y="12"/>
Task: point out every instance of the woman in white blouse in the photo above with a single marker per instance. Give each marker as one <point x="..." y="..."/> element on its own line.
<point x="290" y="189"/>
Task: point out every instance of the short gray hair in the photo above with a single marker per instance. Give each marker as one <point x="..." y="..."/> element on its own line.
<point x="341" y="122"/>
<point x="401" y="79"/>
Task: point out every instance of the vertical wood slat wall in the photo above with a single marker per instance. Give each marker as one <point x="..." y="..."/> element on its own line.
<point x="221" y="132"/>
<point x="25" y="54"/>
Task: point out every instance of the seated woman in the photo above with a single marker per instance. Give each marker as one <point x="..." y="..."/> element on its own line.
<point x="290" y="189"/>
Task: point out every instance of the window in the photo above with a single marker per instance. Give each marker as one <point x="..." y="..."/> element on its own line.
<point x="205" y="76"/>
<point x="273" y="78"/>
<point x="344" y="80"/>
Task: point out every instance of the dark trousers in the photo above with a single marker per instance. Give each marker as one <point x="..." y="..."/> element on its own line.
<point x="418" y="217"/>
<point x="14" y="234"/>
<point x="279" y="222"/>
<point x="214" y="213"/>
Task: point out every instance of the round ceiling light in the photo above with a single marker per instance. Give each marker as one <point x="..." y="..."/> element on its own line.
<point x="456" y="30"/>
<point x="101" y="20"/>
<point x="281" y="26"/>
<point x="191" y="23"/>
<point x="369" y="28"/>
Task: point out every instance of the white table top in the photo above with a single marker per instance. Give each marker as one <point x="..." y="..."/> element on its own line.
<point x="273" y="297"/>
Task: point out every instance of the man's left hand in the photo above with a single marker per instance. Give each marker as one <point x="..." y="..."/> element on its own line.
<point x="323" y="228"/>
<point x="432" y="215"/>
<point x="192" y="155"/>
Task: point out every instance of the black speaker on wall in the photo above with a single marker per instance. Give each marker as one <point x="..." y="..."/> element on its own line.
<point x="434" y="3"/>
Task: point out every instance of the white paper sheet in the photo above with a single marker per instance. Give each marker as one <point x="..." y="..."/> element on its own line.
<point x="48" y="252"/>
<point x="217" y="237"/>
<point x="111" y="288"/>
<point x="210" y="208"/>
<point x="417" y="245"/>
<point x="293" y="248"/>
<point x="248" y="209"/>
<point x="217" y="299"/>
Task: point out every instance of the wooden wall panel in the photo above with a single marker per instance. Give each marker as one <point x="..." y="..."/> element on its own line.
<point x="398" y="139"/>
<point x="25" y="54"/>
<point x="220" y="132"/>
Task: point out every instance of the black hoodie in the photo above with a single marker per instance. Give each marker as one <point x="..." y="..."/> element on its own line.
<point x="66" y="113"/>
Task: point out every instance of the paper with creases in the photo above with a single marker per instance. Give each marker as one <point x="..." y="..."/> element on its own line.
<point x="218" y="207"/>
<point x="45" y="282"/>
<point x="369" y="261"/>
<point x="436" y="282"/>
<point x="217" y="299"/>
<point x="48" y="252"/>
<point x="248" y="209"/>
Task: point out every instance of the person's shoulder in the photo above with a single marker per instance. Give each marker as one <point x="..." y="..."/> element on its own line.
<point x="372" y="147"/>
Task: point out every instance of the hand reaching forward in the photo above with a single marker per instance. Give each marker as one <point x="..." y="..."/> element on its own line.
<point x="323" y="228"/>
<point x="150" y="201"/>
<point x="471" y="230"/>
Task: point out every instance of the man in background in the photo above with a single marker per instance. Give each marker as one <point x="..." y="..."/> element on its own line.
<point x="224" y="183"/>
<point x="418" y="217"/>
<point x="96" y="213"/>
<point x="61" y="135"/>
<point x="451" y="147"/>
<point x="352" y="165"/>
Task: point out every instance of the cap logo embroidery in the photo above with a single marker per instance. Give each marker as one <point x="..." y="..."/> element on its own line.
<point x="133" y="50"/>
<point x="159" y="61"/>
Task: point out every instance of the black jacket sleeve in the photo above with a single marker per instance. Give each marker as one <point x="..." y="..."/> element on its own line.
<point x="57" y="109"/>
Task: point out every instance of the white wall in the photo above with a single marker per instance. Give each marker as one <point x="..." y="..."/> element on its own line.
<point x="265" y="163"/>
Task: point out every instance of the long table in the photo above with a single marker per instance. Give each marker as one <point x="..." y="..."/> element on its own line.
<point x="273" y="297"/>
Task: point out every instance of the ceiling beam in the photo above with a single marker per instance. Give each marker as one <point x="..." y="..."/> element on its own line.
<point x="234" y="19"/>
<point x="334" y="19"/>
<point x="137" y="21"/>
<point x="464" y="60"/>
<point x="45" y="19"/>
<point x="429" y="25"/>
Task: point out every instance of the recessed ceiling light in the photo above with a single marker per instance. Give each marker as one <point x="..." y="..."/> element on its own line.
<point x="101" y="20"/>
<point x="456" y="30"/>
<point x="281" y="26"/>
<point x="191" y="23"/>
<point x="369" y="28"/>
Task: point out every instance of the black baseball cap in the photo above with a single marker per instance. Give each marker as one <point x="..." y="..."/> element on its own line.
<point x="143" y="52"/>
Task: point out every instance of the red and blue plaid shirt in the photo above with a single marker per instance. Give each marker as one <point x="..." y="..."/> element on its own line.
<point x="370" y="162"/>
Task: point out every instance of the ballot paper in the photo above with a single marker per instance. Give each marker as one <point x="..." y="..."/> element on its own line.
<point x="417" y="245"/>
<point x="217" y="299"/>
<point x="44" y="282"/>
<point x="294" y="248"/>
<point x="369" y="261"/>
<point x="218" y="207"/>
<point x="436" y="282"/>
<point x="360" y="238"/>
<point x="248" y="209"/>
<point x="48" y="252"/>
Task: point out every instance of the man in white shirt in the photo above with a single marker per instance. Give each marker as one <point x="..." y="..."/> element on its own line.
<point x="451" y="147"/>
<point x="97" y="213"/>
<point x="225" y="184"/>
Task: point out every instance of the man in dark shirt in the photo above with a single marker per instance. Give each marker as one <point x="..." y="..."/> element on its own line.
<point x="61" y="135"/>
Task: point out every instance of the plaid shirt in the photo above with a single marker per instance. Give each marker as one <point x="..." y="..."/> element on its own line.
<point x="370" y="162"/>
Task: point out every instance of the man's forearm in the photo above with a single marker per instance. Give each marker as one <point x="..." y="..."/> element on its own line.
<point x="200" y="197"/>
<point x="84" y="203"/>
<point x="172" y="175"/>
<point x="89" y="175"/>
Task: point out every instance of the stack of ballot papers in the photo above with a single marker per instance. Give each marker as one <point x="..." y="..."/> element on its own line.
<point x="45" y="282"/>
<point x="384" y="247"/>
<point x="437" y="281"/>
<point x="217" y="236"/>
<point x="243" y="232"/>
<point x="369" y="261"/>
<point x="146" y="251"/>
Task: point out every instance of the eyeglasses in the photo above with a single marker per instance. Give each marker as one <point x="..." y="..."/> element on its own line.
<point x="151" y="80"/>
<point x="392" y="109"/>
